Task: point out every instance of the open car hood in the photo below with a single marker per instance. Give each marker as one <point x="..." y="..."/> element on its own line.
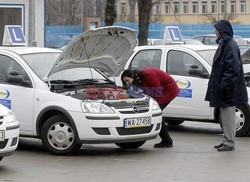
<point x="106" y="49"/>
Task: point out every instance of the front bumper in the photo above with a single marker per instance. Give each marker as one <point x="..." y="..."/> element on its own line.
<point x="110" y="128"/>
<point x="11" y="139"/>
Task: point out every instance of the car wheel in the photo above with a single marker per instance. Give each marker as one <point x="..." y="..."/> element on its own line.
<point x="173" y="122"/>
<point x="58" y="136"/>
<point x="1" y="158"/>
<point x="131" y="145"/>
<point x="242" y="120"/>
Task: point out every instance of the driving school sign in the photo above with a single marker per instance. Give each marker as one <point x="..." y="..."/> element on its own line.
<point x="13" y="35"/>
<point x="172" y="34"/>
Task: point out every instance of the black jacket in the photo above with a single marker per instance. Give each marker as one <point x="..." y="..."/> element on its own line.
<point x="226" y="86"/>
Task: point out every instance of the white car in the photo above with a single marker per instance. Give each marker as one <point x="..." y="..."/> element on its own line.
<point x="64" y="98"/>
<point x="9" y="130"/>
<point x="190" y="66"/>
<point x="210" y="39"/>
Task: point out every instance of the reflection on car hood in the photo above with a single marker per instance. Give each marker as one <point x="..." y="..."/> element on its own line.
<point x="106" y="49"/>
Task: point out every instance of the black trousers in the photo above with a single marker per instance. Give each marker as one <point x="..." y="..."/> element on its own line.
<point x="164" y="131"/>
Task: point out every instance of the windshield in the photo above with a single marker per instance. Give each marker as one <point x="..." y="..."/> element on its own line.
<point x="78" y="74"/>
<point x="41" y="63"/>
<point x="207" y="55"/>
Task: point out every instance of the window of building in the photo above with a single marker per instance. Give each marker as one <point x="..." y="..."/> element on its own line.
<point x="157" y="8"/>
<point x="123" y="8"/>
<point x="243" y="6"/>
<point x="11" y="15"/>
<point x="194" y="7"/>
<point x="233" y="7"/>
<point x="204" y="7"/>
<point x="167" y="7"/>
<point x="185" y="8"/>
<point x="213" y="7"/>
<point x="176" y="7"/>
<point x="222" y="7"/>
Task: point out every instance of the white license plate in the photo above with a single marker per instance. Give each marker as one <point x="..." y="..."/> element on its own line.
<point x="2" y="136"/>
<point x="137" y="122"/>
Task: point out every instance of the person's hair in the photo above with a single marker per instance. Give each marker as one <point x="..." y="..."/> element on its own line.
<point x="135" y="74"/>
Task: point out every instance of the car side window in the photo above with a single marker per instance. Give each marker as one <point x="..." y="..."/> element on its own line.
<point x="146" y="58"/>
<point x="12" y="73"/>
<point x="183" y="64"/>
<point x="210" y="40"/>
<point x="199" y="39"/>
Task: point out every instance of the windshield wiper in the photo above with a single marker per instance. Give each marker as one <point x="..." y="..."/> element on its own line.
<point x="61" y="81"/>
<point x="86" y="81"/>
<point x="94" y="81"/>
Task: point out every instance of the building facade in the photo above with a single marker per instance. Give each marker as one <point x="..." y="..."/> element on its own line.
<point x="190" y="11"/>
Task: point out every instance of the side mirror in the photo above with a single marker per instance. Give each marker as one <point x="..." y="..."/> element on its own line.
<point x="195" y="71"/>
<point x="14" y="77"/>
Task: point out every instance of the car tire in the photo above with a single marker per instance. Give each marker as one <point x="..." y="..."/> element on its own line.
<point x="130" y="145"/>
<point x="1" y="158"/>
<point x="58" y="136"/>
<point x="242" y="120"/>
<point x="173" y="122"/>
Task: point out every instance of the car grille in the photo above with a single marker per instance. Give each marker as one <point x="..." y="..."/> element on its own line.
<point x="125" y="104"/>
<point x="3" y="143"/>
<point x="124" y="107"/>
<point x="133" y="111"/>
<point x="133" y="131"/>
<point x="1" y="120"/>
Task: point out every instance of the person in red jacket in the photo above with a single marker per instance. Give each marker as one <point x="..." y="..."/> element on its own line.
<point x="160" y="86"/>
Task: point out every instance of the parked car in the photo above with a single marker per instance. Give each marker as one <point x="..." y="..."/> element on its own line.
<point x="9" y="129"/>
<point x="64" y="98"/>
<point x="210" y="39"/>
<point x="190" y="66"/>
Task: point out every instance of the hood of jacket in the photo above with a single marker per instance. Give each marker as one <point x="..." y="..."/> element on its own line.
<point x="225" y="29"/>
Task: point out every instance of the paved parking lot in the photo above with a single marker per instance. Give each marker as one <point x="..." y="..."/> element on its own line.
<point x="192" y="158"/>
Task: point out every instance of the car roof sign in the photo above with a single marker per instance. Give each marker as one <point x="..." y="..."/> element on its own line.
<point x="13" y="35"/>
<point x="172" y="34"/>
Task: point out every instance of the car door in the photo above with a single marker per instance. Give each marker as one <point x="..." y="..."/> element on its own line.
<point x="192" y="78"/>
<point x="16" y="91"/>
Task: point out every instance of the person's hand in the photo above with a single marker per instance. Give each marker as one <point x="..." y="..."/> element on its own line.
<point x="122" y="95"/>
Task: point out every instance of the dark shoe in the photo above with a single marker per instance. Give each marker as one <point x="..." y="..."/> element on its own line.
<point x="225" y="148"/>
<point x="218" y="146"/>
<point x="163" y="145"/>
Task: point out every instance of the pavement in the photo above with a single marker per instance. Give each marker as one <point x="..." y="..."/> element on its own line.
<point x="192" y="159"/>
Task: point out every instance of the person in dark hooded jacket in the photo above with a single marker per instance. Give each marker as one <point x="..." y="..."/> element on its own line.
<point x="226" y="86"/>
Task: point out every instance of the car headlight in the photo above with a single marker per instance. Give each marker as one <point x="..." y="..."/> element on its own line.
<point x="98" y="108"/>
<point x="155" y="105"/>
<point x="10" y="117"/>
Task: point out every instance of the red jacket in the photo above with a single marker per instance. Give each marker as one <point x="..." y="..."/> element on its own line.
<point x="159" y="85"/>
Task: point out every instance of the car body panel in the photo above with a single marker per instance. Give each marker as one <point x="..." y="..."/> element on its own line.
<point x="9" y="132"/>
<point x="102" y="48"/>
